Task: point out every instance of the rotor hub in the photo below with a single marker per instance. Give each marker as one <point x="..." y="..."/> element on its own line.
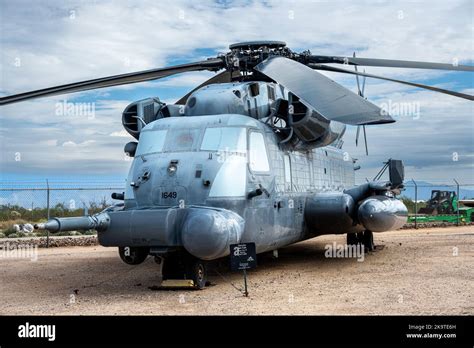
<point x="245" y="55"/>
<point x="255" y="45"/>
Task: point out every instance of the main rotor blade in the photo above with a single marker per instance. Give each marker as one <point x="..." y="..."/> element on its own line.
<point x="363" y="85"/>
<point x="357" y="79"/>
<point x="326" y="97"/>
<point x="431" y="88"/>
<point x="390" y="63"/>
<point x="365" y="140"/>
<point x="123" y="79"/>
<point x="225" y="76"/>
<point x="357" y="136"/>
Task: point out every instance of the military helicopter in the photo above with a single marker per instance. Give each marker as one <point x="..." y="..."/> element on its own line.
<point x="251" y="155"/>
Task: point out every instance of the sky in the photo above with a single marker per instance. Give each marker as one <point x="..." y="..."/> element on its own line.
<point x="47" y="43"/>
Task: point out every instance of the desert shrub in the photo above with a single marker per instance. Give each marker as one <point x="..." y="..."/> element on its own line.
<point x="41" y="233"/>
<point x="9" y="231"/>
<point x="62" y="233"/>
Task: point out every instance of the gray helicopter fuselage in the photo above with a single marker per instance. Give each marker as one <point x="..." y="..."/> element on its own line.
<point x="183" y="163"/>
<point x="251" y="155"/>
<point x="225" y="168"/>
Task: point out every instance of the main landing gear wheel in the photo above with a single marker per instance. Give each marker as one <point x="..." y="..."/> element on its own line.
<point x="133" y="255"/>
<point x="365" y="238"/>
<point x="352" y="239"/>
<point x="197" y="271"/>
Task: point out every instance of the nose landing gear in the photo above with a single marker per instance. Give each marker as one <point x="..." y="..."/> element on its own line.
<point x="196" y="270"/>
<point x="179" y="266"/>
<point x="176" y="267"/>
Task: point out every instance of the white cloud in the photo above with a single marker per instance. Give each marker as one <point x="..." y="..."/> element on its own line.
<point x="49" y="142"/>
<point x="48" y="43"/>
<point x="122" y="133"/>
<point x="73" y="144"/>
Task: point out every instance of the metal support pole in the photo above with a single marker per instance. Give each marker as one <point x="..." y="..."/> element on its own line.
<point x="457" y="202"/>
<point x="416" y="202"/>
<point x="246" y="293"/>
<point x="47" y="207"/>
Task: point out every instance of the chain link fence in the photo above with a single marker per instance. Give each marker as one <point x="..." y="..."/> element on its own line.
<point x="31" y="202"/>
<point x="24" y="202"/>
<point x="438" y="201"/>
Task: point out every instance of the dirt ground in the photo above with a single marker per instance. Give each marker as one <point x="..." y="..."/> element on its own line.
<point x="427" y="271"/>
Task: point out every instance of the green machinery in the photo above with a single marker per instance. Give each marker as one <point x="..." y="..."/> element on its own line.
<point x="443" y="207"/>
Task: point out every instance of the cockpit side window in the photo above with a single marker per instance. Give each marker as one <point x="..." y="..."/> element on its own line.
<point x="254" y="89"/>
<point x="258" y="159"/>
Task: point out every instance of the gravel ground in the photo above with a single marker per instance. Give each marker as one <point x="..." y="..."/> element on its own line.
<point x="54" y="241"/>
<point x="416" y="272"/>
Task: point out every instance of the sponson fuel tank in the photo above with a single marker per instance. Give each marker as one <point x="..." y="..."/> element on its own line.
<point x="382" y="213"/>
<point x="337" y="213"/>
<point x="208" y="233"/>
<point x="330" y="213"/>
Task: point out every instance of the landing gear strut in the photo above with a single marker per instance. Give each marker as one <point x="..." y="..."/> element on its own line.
<point x="366" y="238"/>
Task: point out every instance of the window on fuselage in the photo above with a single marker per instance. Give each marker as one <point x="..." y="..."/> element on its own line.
<point x="287" y="164"/>
<point x="229" y="139"/>
<point x="258" y="158"/>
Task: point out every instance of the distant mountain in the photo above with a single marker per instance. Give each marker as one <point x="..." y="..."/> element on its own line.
<point x="425" y="188"/>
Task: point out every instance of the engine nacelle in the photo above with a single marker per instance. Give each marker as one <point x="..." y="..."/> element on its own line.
<point x="138" y="114"/>
<point x="311" y="127"/>
<point x="248" y="98"/>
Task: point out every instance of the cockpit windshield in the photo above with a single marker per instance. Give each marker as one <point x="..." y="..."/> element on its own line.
<point x="231" y="139"/>
<point x="151" y="142"/>
<point x="182" y="139"/>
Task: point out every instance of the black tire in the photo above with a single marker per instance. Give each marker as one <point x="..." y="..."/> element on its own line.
<point x="352" y="239"/>
<point x="196" y="270"/>
<point x="133" y="255"/>
<point x="368" y="240"/>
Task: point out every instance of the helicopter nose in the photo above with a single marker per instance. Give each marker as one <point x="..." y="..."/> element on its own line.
<point x="207" y="234"/>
